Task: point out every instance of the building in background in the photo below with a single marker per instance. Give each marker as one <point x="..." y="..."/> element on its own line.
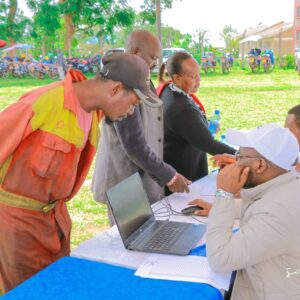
<point x="278" y="37"/>
<point x="297" y="24"/>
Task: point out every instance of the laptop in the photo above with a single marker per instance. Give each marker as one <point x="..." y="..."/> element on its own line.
<point x="137" y="225"/>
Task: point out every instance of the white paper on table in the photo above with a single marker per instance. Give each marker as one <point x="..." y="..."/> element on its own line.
<point x="108" y="247"/>
<point x="182" y="268"/>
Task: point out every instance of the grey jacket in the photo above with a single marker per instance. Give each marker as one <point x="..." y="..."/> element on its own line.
<point x="134" y="144"/>
<point x="266" y="249"/>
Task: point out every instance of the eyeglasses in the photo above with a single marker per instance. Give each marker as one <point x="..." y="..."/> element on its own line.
<point x="238" y="156"/>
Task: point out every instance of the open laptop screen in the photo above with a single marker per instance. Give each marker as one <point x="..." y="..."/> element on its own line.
<point x="130" y="205"/>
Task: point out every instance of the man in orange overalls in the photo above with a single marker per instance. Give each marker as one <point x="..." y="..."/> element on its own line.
<point x="48" y="140"/>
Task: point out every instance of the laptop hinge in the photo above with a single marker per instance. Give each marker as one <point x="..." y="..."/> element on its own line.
<point x="149" y="223"/>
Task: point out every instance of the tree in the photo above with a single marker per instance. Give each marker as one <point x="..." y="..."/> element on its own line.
<point x="46" y="22"/>
<point x="150" y="5"/>
<point x="157" y="6"/>
<point x="171" y="37"/>
<point x="231" y="39"/>
<point x="13" y="23"/>
<point x="201" y="36"/>
<point x="102" y="17"/>
<point x="12" y="10"/>
<point x="187" y="41"/>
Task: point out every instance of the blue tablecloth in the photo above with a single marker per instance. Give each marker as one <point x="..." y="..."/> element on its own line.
<point x="73" y="278"/>
<point x="199" y="251"/>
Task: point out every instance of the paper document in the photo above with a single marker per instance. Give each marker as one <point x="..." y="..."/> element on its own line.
<point x="182" y="268"/>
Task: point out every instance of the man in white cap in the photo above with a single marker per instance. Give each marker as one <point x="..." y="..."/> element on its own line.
<point x="266" y="249"/>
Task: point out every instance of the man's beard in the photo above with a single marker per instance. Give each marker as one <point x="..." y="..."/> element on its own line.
<point x="249" y="183"/>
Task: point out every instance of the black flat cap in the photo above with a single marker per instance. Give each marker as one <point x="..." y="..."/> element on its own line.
<point x="129" y="69"/>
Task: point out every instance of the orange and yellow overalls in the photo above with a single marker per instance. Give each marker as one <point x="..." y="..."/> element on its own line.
<point x="43" y="163"/>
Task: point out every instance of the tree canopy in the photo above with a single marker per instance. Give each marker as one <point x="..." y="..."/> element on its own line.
<point x="78" y="26"/>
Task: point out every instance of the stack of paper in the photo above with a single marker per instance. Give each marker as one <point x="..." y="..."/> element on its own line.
<point x="182" y="268"/>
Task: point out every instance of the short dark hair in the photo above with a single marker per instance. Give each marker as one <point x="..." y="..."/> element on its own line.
<point x="174" y="64"/>
<point x="296" y="112"/>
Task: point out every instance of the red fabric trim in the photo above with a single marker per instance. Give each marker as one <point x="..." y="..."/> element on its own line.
<point x="161" y="87"/>
<point x="198" y="102"/>
<point x="2" y="43"/>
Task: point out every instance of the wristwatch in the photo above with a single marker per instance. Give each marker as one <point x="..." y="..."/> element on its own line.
<point x="223" y="194"/>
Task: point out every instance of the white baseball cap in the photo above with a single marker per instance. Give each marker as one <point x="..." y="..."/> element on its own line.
<point x="277" y="144"/>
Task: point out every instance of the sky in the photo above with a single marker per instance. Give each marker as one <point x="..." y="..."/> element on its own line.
<point x="212" y="15"/>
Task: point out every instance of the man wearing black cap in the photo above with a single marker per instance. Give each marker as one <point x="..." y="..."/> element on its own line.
<point x="48" y="140"/>
<point x="135" y="144"/>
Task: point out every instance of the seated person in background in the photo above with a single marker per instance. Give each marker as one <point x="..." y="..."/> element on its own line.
<point x="270" y="54"/>
<point x="266" y="249"/>
<point x="230" y="59"/>
<point x="256" y="52"/>
<point x="292" y="122"/>
<point x="186" y="135"/>
<point x="211" y="59"/>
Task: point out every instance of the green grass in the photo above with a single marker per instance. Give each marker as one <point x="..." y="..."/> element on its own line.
<point x="245" y="99"/>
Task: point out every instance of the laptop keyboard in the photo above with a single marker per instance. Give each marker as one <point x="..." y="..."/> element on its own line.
<point x="164" y="238"/>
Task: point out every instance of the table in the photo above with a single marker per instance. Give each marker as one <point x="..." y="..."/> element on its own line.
<point x="78" y="279"/>
<point x="101" y="268"/>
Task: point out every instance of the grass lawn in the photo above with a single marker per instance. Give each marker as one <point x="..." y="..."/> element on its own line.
<point x="246" y="100"/>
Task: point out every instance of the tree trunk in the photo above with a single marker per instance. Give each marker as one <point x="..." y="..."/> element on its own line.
<point x="201" y="46"/>
<point x="280" y="49"/>
<point x="13" y="5"/>
<point x="44" y="46"/>
<point x="70" y="30"/>
<point x="201" y="37"/>
<point x="101" y="44"/>
<point x="158" y="27"/>
<point x="243" y="55"/>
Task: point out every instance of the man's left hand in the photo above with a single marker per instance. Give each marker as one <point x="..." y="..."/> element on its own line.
<point x="205" y="205"/>
<point x="232" y="178"/>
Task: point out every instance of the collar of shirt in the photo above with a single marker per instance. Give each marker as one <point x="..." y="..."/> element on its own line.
<point x="175" y="88"/>
<point x="70" y="96"/>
